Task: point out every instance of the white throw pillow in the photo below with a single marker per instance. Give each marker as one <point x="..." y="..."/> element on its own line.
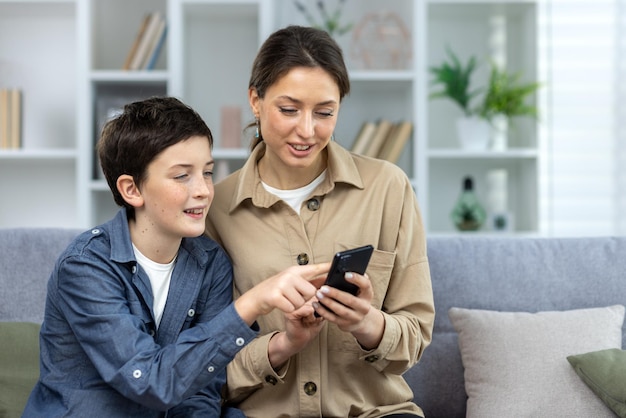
<point x="516" y="362"/>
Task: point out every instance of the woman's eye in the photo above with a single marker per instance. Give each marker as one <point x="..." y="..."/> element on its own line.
<point x="325" y="114"/>
<point x="180" y="177"/>
<point x="208" y="174"/>
<point x="288" y="111"/>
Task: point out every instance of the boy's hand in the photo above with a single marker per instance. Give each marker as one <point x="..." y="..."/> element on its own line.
<point x="287" y="291"/>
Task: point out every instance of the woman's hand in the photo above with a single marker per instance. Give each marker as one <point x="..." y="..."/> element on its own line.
<point x="301" y="326"/>
<point x="353" y="314"/>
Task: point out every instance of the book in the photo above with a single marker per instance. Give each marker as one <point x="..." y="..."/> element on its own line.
<point x="133" y="49"/>
<point x="153" y="55"/>
<point x="146" y="41"/>
<point x="15" y="121"/>
<point x="363" y="137"/>
<point x="382" y="130"/>
<point x="395" y="143"/>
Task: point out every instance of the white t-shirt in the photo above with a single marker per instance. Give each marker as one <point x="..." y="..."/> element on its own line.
<point x="160" y="276"/>
<point x="295" y="197"/>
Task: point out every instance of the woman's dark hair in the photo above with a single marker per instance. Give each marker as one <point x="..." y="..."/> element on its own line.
<point x="297" y="46"/>
<point x="132" y="140"/>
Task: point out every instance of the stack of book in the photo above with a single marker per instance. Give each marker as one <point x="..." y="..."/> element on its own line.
<point x="10" y="118"/>
<point x="382" y="139"/>
<point x="148" y="43"/>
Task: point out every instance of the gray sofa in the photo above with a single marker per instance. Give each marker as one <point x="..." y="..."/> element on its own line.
<point x="490" y="273"/>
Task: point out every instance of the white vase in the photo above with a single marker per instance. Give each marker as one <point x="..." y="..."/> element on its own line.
<point x="473" y="133"/>
<point x="499" y="132"/>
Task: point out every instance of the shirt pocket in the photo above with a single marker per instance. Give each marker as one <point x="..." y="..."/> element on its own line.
<point x="379" y="271"/>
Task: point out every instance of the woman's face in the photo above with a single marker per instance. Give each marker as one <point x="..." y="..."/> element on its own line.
<point x="297" y="117"/>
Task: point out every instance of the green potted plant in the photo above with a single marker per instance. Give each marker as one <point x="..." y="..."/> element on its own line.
<point x="503" y="98"/>
<point x="329" y="21"/>
<point x="454" y="79"/>
<point x="506" y="98"/>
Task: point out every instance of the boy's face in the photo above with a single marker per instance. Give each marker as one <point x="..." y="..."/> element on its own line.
<point x="178" y="189"/>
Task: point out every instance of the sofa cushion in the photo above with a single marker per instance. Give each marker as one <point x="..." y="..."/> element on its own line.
<point x="515" y="362"/>
<point x="604" y="372"/>
<point x="19" y="365"/>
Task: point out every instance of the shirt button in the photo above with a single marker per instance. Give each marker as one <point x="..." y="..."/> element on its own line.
<point x="303" y="258"/>
<point x="310" y="388"/>
<point x="151" y="332"/>
<point x="372" y="358"/>
<point x="95" y="231"/>
<point x="137" y="374"/>
<point x="240" y="341"/>
<point x="211" y="369"/>
<point x="313" y="205"/>
<point x="134" y="269"/>
<point x="191" y="313"/>
<point x="271" y="379"/>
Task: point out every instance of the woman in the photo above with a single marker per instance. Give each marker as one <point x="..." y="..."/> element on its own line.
<point x="300" y="198"/>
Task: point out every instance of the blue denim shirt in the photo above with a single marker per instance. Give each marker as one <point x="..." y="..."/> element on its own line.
<point x="101" y="354"/>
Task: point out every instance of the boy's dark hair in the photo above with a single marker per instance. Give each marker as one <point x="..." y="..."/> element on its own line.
<point x="297" y="46"/>
<point x="132" y="140"/>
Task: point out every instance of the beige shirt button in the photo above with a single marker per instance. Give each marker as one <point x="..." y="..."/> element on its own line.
<point x="372" y="358"/>
<point x="313" y="205"/>
<point x="303" y="259"/>
<point x="271" y="379"/>
<point x="310" y="388"/>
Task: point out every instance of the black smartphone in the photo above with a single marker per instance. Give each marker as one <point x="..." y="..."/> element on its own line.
<point x="354" y="260"/>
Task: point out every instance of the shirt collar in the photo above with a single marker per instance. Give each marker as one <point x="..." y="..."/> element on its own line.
<point x="122" y="247"/>
<point x="341" y="169"/>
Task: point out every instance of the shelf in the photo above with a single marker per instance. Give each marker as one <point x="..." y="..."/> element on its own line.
<point x="62" y="155"/>
<point x="230" y="153"/>
<point x="455" y="153"/>
<point x="381" y="75"/>
<point x="130" y="77"/>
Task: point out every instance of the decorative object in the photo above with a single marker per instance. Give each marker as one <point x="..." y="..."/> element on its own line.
<point x="500" y="219"/>
<point x="504" y="97"/>
<point x="381" y="41"/>
<point x="468" y="214"/>
<point x="230" y="125"/>
<point x="329" y="21"/>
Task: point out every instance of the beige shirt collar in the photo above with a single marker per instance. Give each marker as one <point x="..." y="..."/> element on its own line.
<point x="341" y="169"/>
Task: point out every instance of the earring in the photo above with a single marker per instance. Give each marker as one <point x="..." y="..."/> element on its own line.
<point x="332" y="137"/>
<point x="256" y="132"/>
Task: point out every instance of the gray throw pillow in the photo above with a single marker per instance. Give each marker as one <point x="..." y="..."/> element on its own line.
<point x="515" y="361"/>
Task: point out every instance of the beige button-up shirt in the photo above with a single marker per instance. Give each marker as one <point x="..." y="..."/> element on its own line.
<point x="362" y="201"/>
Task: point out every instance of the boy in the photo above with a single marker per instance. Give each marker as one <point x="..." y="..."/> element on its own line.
<point x="139" y="316"/>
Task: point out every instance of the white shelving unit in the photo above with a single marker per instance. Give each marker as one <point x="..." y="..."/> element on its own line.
<point x="209" y="51"/>
<point x="38" y="53"/>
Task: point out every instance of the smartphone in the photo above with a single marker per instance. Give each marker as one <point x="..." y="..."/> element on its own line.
<point x="354" y="260"/>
